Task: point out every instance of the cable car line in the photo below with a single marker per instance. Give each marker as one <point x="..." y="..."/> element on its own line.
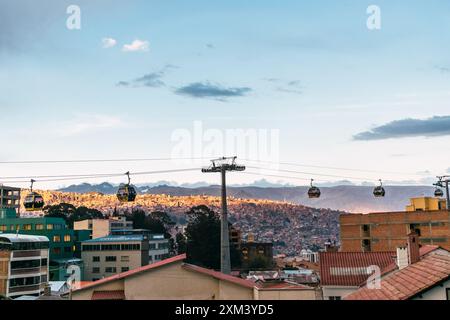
<point x="101" y="160"/>
<point x="88" y="176"/>
<point x="331" y="168"/>
<point x="311" y="174"/>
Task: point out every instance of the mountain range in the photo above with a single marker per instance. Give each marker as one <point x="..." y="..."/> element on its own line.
<point x="350" y="198"/>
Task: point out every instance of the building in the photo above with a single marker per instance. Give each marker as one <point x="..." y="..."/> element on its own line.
<point x="9" y="199"/>
<point x="113" y="254"/>
<point x="64" y="243"/>
<point x="172" y="279"/>
<point x="103" y="227"/>
<point x="385" y="231"/>
<point x="24" y="264"/>
<point x="423" y="276"/>
<point x="426" y="204"/>
<point x="342" y="273"/>
<point x="252" y="250"/>
<point x="158" y="244"/>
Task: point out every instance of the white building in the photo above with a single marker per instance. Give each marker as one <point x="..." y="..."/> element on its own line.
<point x="24" y="264"/>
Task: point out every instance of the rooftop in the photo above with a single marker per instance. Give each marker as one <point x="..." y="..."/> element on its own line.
<point x="13" y="238"/>
<point x="118" y="238"/>
<point x="350" y="268"/>
<point x="432" y="269"/>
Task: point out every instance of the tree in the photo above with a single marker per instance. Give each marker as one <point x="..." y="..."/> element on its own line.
<point x="156" y="222"/>
<point x="180" y="240"/>
<point x="70" y="213"/>
<point x="203" y="239"/>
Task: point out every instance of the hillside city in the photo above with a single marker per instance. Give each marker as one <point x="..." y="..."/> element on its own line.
<point x="288" y="226"/>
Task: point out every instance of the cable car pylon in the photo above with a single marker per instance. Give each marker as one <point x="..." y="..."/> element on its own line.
<point x="223" y="165"/>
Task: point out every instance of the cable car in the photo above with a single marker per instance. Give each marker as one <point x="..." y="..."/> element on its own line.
<point x="313" y="191"/>
<point x="33" y="201"/>
<point x="126" y="192"/>
<point x="438" y="193"/>
<point x="379" y="190"/>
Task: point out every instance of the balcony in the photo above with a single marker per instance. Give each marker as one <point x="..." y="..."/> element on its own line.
<point x="28" y="253"/>
<point x="33" y="287"/>
<point x="36" y="270"/>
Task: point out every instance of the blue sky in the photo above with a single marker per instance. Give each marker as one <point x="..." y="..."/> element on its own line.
<point x="310" y="69"/>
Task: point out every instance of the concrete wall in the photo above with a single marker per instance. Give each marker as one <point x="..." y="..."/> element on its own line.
<point x="336" y="291"/>
<point x="436" y="293"/>
<point x="286" y="294"/>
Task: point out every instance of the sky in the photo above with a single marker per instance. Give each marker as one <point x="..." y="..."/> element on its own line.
<point x="303" y="82"/>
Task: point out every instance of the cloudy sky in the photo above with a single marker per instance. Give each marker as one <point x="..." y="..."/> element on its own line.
<point x="308" y="77"/>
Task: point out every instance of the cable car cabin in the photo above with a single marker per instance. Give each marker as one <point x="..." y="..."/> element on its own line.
<point x="126" y="193"/>
<point x="438" y="192"/>
<point x="379" y="191"/>
<point x="33" y="202"/>
<point x="314" y="192"/>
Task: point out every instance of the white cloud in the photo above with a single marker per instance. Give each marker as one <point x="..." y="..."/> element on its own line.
<point x="136" y="45"/>
<point x="108" y="42"/>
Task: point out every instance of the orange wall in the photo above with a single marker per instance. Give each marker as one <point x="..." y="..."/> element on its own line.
<point x="388" y="230"/>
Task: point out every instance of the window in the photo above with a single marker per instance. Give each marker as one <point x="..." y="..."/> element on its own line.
<point x="124" y="258"/>
<point x="3" y="228"/>
<point x="25" y="264"/>
<point x="110" y="270"/>
<point x="49" y="227"/>
<point x="414" y="227"/>
<point x="44" y="262"/>
<point x="366" y="245"/>
<point x="27" y="227"/>
<point x="95" y="270"/>
<point x="56" y="238"/>
<point x="125" y="269"/>
<point x="39" y="226"/>
<point x="448" y="293"/>
<point x="56" y="250"/>
<point x="334" y="298"/>
<point x="110" y="258"/>
<point x="95" y="259"/>
<point x="67" y="238"/>
<point x="67" y="249"/>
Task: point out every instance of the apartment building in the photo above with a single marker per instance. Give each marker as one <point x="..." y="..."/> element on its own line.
<point x="9" y="199"/>
<point x="385" y="231"/>
<point x="158" y="245"/>
<point x="103" y="227"/>
<point x="24" y="264"/>
<point x="106" y="256"/>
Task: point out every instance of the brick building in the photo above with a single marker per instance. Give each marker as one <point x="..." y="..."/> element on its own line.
<point x="385" y="231"/>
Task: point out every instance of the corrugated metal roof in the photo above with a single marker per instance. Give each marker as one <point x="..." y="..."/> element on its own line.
<point x="117" y="238"/>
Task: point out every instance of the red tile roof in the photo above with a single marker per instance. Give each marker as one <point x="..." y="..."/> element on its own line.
<point x="108" y="295"/>
<point x="350" y="268"/>
<point x="410" y="281"/>
<point x="424" y="250"/>
<point x="122" y="275"/>
<point x="220" y="275"/>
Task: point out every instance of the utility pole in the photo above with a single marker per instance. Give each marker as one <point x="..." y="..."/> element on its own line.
<point x="223" y="165"/>
<point x="444" y="180"/>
